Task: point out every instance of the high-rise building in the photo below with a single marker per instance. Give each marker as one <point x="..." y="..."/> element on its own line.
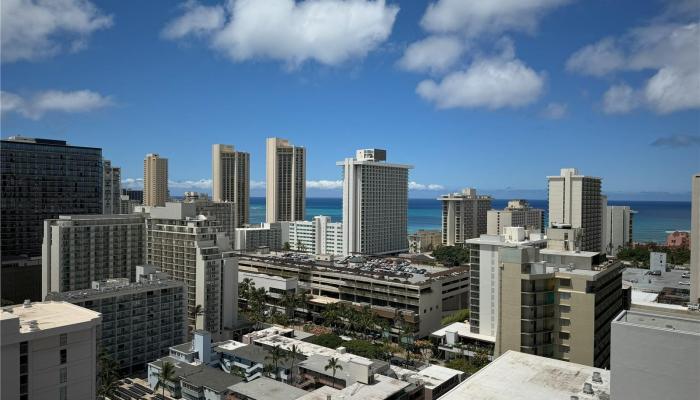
<point x="155" y="180"/>
<point x="231" y="179"/>
<point x="225" y="213"/>
<point x="111" y="188"/>
<point x="375" y="204"/>
<point x="558" y="309"/>
<point x="320" y="236"/>
<point x="79" y="249"/>
<point x="49" y="351"/>
<point x="41" y="179"/>
<point x="140" y="320"/>
<point x="196" y="250"/>
<point x="617" y="228"/>
<point x="464" y="216"/>
<point x="517" y="213"/>
<point x="285" y="174"/>
<point x="695" y="241"/>
<point x="485" y="278"/>
<point x="575" y="205"/>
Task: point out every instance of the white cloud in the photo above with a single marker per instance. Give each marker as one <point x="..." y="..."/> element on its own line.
<point x="324" y="184"/>
<point x="36" y="29"/>
<point x="486" y="17"/>
<point x="555" y="111"/>
<point x="53" y="101"/>
<point x="197" y="20"/>
<point x="620" y="99"/>
<point x="419" y="186"/>
<point x="669" y="50"/>
<point x="495" y="82"/>
<point x="257" y="184"/>
<point x="190" y="184"/>
<point x="132" y="183"/>
<point x="327" y="31"/>
<point x="434" y="54"/>
<point x="597" y="59"/>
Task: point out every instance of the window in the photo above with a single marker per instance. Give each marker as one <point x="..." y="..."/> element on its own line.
<point x="64" y="339"/>
<point x="564" y="309"/>
<point x="23" y="347"/>
<point x="564" y="322"/>
<point x="64" y="356"/>
<point x="563" y="335"/>
<point x="64" y="375"/>
<point x="565" y="295"/>
<point x="565" y="282"/>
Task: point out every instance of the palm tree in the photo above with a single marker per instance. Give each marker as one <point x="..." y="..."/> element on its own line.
<point x="166" y="374"/>
<point x="294" y="353"/>
<point x="108" y="376"/>
<point x="334" y="365"/>
<point x="196" y="312"/>
<point x="276" y="355"/>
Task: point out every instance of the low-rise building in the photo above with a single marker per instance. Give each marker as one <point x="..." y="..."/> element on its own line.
<point x="272" y="236"/>
<point x="320" y="236"/>
<point x="678" y="239"/>
<point x="265" y="388"/>
<point x="140" y="320"/>
<point x="405" y="295"/>
<point x="655" y="354"/>
<point x="275" y="286"/>
<point x="424" y="240"/>
<point x="520" y="376"/>
<point x="48" y="351"/>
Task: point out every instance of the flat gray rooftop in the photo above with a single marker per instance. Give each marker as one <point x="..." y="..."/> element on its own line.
<point x="267" y="389"/>
<point x="689" y="324"/>
<point x="640" y="280"/>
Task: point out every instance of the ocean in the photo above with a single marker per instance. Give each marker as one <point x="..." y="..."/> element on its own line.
<point x="650" y="224"/>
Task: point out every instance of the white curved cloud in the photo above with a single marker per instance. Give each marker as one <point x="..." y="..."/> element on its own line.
<point x="326" y="31"/>
<point x="53" y="101"/>
<point x="36" y="29"/>
<point x="419" y="186"/>
<point x="324" y="184"/>
<point x="433" y="54"/>
<point x="669" y="50"/>
<point x="493" y="83"/>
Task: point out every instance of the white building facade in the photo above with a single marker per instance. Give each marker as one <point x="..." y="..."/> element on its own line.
<point x="319" y="236"/>
<point x="617" y="228"/>
<point x="375" y="204"/>
<point x="48" y="351"/>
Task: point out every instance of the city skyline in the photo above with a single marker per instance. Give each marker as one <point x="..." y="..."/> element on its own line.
<point x="377" y="90"/>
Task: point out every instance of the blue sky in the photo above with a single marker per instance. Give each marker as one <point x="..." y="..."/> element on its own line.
<point x="495" y="95"/>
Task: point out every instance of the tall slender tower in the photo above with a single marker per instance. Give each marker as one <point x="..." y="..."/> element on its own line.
<point x="111" y="188"/>
<point x="155" y="180"/>
<point x="575" y="204"/>
<point x="695" y="241"/>
<point x="375" y="204"/>
<point x="231" y="179"/>
<point x="285" y="191"/>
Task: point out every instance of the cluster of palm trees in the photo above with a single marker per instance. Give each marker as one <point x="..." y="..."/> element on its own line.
<point x="255" y="303"/>
<point x="361" y="322"/>
<point x="107" y="376"/>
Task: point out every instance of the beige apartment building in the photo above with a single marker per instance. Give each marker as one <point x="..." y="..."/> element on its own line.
<point x="155" y="180"/>
<point x="79" y="249"/>
<point x="517" y="213"/>
<point x="285" y="174"/>
<point x="463" y="216"/>
<point x="558" y="311"/>
<point x="231" y="179"/>
<point x="195" y="249"/>
<point x="375" y="204"/>
<point x="576" y="206"/>
<point x="49" y="351"/>
<point x="226" y="213"/>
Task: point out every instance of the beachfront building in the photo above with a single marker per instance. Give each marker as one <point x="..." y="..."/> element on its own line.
<point x="516" y="213"/>
<point x="285" y="188"/>
<point x="231" y="179"/>
<point x="375" y="204"/>
<point x="617" y="229"/>
<point x="464" y="216"/>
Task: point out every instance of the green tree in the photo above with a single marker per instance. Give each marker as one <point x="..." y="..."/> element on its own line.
<point x="166" y="374"/>
<point x="294" y="354"/>
<point x="451" y="255"/>
<point x="330" y="340"/>
<point x="276" y="355"/>
<point x="286" y="246"/>
<point x="108" y="376"/>
<point x="335" y="366"/>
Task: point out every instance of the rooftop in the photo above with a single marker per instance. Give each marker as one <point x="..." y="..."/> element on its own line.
<point x="463" y="329"/>
<point x="46" y="315"/>
<point x="267" y="389"/>
<point x="131" y="287"/>
<point x="201" y="374"/>
<point x="520" y="376"/>
<point x="436" y="375"/>
<point x="640" y="279"/>
<point x="383" y="388"/>
<point x="689" y="324"/>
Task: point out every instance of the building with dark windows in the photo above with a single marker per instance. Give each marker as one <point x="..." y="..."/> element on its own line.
<point x="42" y="179"/>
